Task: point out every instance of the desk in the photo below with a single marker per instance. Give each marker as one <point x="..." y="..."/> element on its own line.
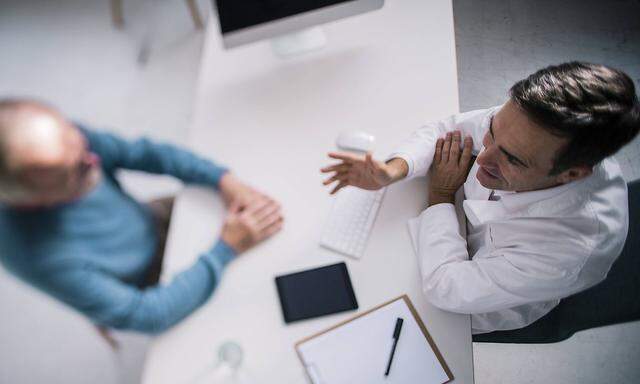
<point x="273" y="121"/>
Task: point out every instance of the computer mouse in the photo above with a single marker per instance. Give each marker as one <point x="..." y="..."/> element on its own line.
<point x="358" y="141"/>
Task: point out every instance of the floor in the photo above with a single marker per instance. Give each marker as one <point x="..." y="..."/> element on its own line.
<point x="498" y="43"/>
<point x="67" y="52"/>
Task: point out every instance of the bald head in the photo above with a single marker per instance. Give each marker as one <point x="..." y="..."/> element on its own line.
<point x="39" y="150"/>
<point x="31" y="135"/>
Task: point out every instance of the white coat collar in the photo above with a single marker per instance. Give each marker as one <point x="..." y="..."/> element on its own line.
<point x="548" y="202"/>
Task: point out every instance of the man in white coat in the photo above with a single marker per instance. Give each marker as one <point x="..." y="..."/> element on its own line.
<point x="542" y="212"/>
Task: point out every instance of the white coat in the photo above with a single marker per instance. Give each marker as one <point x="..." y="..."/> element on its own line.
<point x="509" y="262"/>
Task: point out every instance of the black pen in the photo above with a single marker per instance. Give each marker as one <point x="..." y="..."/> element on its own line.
<point x="396" y="336"/>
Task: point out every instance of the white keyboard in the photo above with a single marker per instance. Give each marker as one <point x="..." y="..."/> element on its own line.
<point x="351" y="220"/>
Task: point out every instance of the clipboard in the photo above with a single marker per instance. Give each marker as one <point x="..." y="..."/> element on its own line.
<point x="330" y="356"/>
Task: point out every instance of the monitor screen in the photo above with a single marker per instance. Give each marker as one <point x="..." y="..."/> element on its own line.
<point x="238" y="14"/>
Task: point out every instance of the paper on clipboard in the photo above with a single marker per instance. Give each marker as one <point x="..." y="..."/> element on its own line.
<point x="357" y="351"/>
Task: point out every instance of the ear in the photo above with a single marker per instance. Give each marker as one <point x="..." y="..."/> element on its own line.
<point x="574" y="173"/>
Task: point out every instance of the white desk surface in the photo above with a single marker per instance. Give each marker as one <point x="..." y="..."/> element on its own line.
<point x="272" y="121"/>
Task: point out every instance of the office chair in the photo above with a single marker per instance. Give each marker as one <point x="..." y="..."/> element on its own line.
<point x="613" y="301"/>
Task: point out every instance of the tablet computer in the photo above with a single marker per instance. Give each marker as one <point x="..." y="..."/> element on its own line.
<point x="316" y="292"/>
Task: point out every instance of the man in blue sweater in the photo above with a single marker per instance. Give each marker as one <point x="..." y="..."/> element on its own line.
<point x="68" y="228"/>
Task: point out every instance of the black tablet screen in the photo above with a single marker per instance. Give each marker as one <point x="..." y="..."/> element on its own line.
<point x="316" y="292"/>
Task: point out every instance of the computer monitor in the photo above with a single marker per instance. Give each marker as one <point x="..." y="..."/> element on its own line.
<point x="246" y="21"/>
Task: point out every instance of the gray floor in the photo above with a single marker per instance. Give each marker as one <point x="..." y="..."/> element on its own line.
<point x="66" y="52"/>
<point x="498" y="43"/>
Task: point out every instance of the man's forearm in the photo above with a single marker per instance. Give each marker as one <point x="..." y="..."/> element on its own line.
<point x="148" y="156"/>
<point x="441" y="248"/>
<point x="398" y="169"/>
<point x="162" y="306"/>
<point x="228" y="183"/>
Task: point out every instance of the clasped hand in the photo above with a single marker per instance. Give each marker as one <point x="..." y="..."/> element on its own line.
<point x="450" y="167"/>
<point x="252" y="217"/>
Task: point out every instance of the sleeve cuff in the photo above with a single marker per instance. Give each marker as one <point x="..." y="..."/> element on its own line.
<point x="216" y="175"/>
<point x="441" y="218"/>
<point x="407" y="158"/>
<point x="437" y="217"/>
<point x="439" y="209"/>
<point x="219" y="256"/>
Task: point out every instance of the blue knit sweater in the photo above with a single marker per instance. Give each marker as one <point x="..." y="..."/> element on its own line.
<point x="94" y="254"/>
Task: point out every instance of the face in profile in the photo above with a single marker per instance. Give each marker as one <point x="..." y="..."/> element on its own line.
<point x="518" y="154"/>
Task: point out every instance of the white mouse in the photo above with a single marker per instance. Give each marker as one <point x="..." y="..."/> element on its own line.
<point x="358" y="141"/>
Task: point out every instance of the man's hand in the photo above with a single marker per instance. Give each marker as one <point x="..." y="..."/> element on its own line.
<point x="363" y="171"/>
<point x="450" y="168"/>
<point x="236" y="194"/>
<point x="258" y="221"/>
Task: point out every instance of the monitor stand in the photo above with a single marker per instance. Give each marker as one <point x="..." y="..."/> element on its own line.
<point x="297" y="43"/>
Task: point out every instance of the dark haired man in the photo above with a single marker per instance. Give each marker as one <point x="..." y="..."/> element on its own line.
<point x="545" y="204"/>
